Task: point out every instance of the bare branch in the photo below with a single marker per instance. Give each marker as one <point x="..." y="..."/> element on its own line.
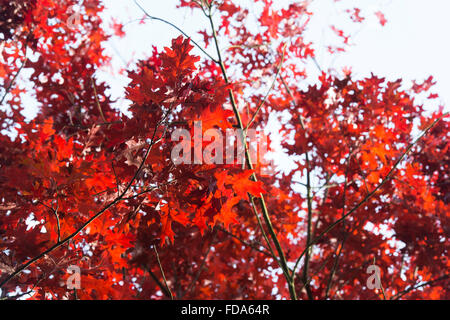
<point x="282" y="258"/>
<point x="158" y="282"/>
<point x="162" y="273"/>
<point x="174" y="26"/>
<point x="246" y="243"/>
<point x="97" y="101"/>
<point x="8" y="88"/>
<point x="268" y="91"/>
<point x="25" y="265"/>
<point x="202" y="265"/>
<point x="417" y="286"/>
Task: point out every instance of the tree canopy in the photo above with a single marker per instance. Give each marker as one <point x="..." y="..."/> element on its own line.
<point x="83" y="184"/>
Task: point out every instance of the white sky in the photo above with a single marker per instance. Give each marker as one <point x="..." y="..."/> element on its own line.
<point x="414" y="44"/>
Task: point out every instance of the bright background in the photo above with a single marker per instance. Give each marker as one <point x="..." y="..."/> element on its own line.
<point x="414" y="43"/>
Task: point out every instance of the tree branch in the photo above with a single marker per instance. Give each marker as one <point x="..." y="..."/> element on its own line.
<point x="268" y="91"/>
<point x="162" y="273"/>
<point x="308" y="232"/>
<point x="368" y="196"/>
<point x="282" y="258"/>
<point x="200" y="269"/>
<point x="248" y="244"/>
<point x="346" y="235"/>
<point x="158" y="282"/>
<point x="174" y="26"/>
<point x="23" y="266"/>
<point x="8" y="88"/>
<point x="420" y="285"/>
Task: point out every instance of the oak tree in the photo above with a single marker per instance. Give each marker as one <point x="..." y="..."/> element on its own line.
<point x="83" y="184"/>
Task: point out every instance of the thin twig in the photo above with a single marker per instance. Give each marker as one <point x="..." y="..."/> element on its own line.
<point x="117" y="179"/>
<point x="174" y="26"/>
<point x="309" y="244"/>
<point x="24" y="265"/>
<point x="13" y="80"/>
<point x="162" y="273"/>
<point x="309" y="228"/>
<point x="282" y="257"/>
<point x="317" y="272"/>
<point x="202" y="265"/>
<point x="246" y="243"/>
<point x="268" y="91"/>
<point x="368" y="196"/>
<point x="97" y="101"/>
<point x="420" y="285"/>
<point x="58" y="224"/>
<point x="158" y="282"/>
<point x="344" y="239"/>
<point x="55" y="212"/>
<point x="255" y="211"/>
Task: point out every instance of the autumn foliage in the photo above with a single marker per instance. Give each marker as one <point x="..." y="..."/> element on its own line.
<point x="83" y="184"/>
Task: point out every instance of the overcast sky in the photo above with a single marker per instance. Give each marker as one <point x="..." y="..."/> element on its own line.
<point x="414" y="43"/>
